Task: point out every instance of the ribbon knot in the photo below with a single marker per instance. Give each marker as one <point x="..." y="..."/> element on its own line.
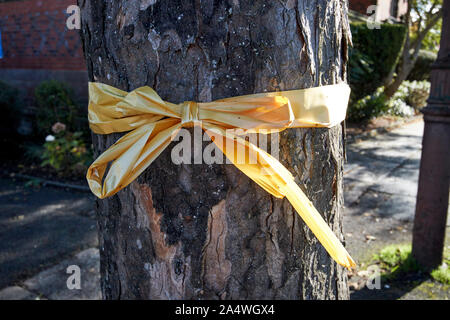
<point x="153" y="123"/>
<point x="189" y="114"/>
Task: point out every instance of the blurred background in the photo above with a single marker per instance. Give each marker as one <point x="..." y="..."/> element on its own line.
<point x="47" y="220"/>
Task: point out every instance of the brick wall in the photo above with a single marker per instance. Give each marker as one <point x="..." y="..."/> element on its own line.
<point x="35" y="36"/>
<point x="384" y="10"/>
<point x="37" y="46"/>
<point x="361" y="5"/>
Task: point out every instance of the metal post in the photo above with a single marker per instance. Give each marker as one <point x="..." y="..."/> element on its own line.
<point x="434" y="177"/>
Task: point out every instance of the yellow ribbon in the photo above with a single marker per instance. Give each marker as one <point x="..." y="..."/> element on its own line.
<point x="153" y="123"/>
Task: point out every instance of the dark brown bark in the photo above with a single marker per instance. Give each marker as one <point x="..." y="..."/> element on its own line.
<point x="208" y="232"/>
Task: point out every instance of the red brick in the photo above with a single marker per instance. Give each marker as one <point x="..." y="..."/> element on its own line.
<point x="361" y="5"/>
<point x="23" y="32"/>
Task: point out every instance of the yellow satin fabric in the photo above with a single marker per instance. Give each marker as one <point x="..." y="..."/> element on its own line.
<point x="153" y="123"/>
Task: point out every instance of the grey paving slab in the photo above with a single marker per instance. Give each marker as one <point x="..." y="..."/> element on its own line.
<point x="353" y="190"/>
<point x="402" y="181"/>
<point x="17" y="293"/>
<point x="414" y="129"/>
<point x="365" y="232"/>
<point x="411" y="164"/>
<point x="398" y="146"/>
<point x="364" y="168"/>
<point x="400" y="207"/>
<point x="38" y="228"/>
<point x="52" y="283"/>
<point x="381" y="176"/>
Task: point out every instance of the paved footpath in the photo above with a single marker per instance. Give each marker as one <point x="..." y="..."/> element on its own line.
<point x="380" y="188"/>
<point x="42" y="232"/>
<point x="380" y="185"/>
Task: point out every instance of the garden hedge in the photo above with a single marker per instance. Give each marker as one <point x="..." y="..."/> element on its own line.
<point x="422" y="68"/>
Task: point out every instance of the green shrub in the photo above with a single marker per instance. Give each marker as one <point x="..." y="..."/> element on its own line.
<point x="411" y="96"/>
<point x="422" y="67"/>
<point x="418" y="93"/>
<point x="10" y="139"/>
<point x="374" y="54"/>
<point x="66" y="153"/>
<point x="32" y="152"/>
<point x="9" y="105"/>
<point x="398" y="105"/>
<point x="369" y="107"/>
<point x="54" y="104"/>
<point x="361" y="67"/>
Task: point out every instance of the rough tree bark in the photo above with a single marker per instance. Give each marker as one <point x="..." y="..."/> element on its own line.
<point x="207" y="231"/>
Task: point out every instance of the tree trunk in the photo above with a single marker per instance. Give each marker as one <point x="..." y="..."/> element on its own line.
<point x="393" y="86"/>
<point x="206" y="231"/>
<point x="406" y="65"/>
<point x="410" y="51"/>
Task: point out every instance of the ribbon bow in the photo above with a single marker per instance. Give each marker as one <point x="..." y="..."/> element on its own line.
<point x="153" y="123"/>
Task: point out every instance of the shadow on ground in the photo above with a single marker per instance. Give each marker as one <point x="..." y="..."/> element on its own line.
<point x="40" y="227"/>
<point x="411" y="287"/>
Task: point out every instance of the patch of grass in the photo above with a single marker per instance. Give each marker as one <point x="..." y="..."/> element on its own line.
<point x="393" y="255"/>
<point x="396" y="261"/>
<point x="441" y="274"/>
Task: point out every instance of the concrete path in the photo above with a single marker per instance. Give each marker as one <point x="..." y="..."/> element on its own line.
<point x="41" y="228"/>
<point x="386" y="164"/>
<point x="43" y="232"/>
<point x="380" y="188"/>
<point x="380" y="185"/>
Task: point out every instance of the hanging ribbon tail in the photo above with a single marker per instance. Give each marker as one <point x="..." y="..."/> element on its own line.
<point x="318" y="226"/>
<point x="273" y="177"/>
<point x="130" y="156"/>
